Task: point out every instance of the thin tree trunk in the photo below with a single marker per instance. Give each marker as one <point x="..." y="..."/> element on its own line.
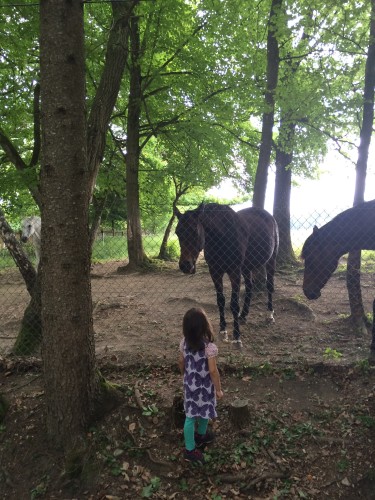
<point x="109" y="85"/>
<point x="136" y="253"/>
<point x="283" y="186"/>
<point x="30" y="333"/>
<point x="353" y="277"/>
<point x="16" y="251"/>
<point x="98" y="205"/>
<point x="163" y="252"/>
<point x="13" y="155"/>
<point x="273" y="62"/>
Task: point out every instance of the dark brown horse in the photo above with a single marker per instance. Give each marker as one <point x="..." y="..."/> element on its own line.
<point x="353" y="229"/>
<point x="234" y="243"/>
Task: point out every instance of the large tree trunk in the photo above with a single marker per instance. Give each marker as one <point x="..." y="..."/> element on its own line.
<point x="273" y="62"/>
<point x="136" y="253"/>
<point x="283" y="186"/>
<point x="353" y="278"/>
<point x="70" y="376"/>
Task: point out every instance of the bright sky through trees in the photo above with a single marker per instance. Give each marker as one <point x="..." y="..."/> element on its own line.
<point x="332" y="193"/>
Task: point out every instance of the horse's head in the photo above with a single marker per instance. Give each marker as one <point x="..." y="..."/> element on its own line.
<point x="321" y="260"/>
<point x="191" y="237"/>
<point x="27" y="228"/>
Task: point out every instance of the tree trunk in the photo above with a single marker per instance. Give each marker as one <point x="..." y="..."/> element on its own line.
<point x="283" y="186"/>
<point x="353" y="283"/>
<point x="70" y="376"/>
<point x="273" y="62"/>
<point x="16" y="251"/>
<point x="98" y="205"/>
<point x="30" y="334"/>
<point x="101" y="109"/>
<point x="136" y="253"/>
<point x="109" y="85"/>
<point x="180" y="190"/>
<point x="353" y="279"/>
<point x="163" y="252"/>
<point x="239" y="413"/>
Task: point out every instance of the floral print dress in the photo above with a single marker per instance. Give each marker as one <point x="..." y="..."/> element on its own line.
<point x="199" y="391"/>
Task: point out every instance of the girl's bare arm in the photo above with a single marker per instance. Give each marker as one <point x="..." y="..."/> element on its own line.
<point x="215" y="377"/>
<point x="181" y="363"/>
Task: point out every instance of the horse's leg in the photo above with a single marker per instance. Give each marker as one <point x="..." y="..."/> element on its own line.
<point x="270" y="272"/>
<point x="235" y="279"/>
<point x="372" y="347"/>
<point x="248" y="278"/>
<point x="217" y="279"/>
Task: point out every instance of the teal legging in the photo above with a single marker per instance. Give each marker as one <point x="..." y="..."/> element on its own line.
<point x="189" y="430"/>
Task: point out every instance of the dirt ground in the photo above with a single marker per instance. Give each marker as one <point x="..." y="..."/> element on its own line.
<point x="305" y="379"/>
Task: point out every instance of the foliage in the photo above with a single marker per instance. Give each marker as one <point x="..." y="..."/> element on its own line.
<point x="330" y="353"/>
<point x="201" y="100"/>
<point x="152" y="488"/>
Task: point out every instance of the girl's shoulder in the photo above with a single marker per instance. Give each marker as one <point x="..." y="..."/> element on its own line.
<point x="211" y="350"/>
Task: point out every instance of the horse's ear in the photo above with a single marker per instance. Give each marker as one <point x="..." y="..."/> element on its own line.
<point x="176" y="212"/>
<point x="315" y="229"/>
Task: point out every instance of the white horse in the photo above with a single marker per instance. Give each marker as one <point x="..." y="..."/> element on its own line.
<point x="31" y="229"/>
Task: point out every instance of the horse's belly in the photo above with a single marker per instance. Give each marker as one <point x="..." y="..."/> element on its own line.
<point x="225" y="262"/>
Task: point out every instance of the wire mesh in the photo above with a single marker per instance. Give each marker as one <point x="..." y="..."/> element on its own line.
<point x="128" y="307"/>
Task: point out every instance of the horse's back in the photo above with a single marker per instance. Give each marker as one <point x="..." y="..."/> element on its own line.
<point x="352" y="229"/>
<point x="263" y="235"/>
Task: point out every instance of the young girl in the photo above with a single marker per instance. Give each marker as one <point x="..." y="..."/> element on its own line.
<point x="202" y="385"/>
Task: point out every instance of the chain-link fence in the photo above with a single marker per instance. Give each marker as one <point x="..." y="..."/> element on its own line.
<point x="134" y="311"/>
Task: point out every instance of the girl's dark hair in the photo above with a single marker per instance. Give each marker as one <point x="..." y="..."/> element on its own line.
<point x="197" y="329"/>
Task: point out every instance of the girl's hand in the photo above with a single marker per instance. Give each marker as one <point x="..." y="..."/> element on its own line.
<point x="219" y="394"/>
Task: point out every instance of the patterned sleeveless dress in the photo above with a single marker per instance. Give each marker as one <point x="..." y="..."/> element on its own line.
<point x="199" y="391"/>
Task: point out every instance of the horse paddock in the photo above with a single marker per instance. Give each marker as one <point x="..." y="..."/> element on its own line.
<point x="138" y="316"/>
<point x="305" y="377"/>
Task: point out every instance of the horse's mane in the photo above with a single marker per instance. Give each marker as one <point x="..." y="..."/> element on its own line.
<point x="338" y="224"/>
<point x="210" y="207"/>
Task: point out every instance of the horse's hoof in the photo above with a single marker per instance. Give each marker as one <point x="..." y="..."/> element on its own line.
<point x="242" y="320"/>
<point x="237" y="344"/>
<point x="270" y="318"/>
<point x="224" y="336"/>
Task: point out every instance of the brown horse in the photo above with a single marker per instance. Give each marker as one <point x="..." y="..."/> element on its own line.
<point x="353" y="229"/>
<point x="234" y="243"/>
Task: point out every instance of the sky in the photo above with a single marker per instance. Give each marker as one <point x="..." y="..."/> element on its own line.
<point x="332" y="193"/>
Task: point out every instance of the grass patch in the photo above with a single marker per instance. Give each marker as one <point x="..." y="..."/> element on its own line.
<point x="115" y="247"/>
